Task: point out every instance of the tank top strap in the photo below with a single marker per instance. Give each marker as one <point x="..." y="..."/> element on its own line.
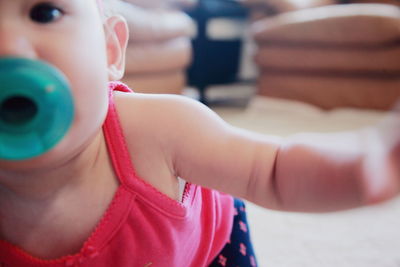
<point x="113" y="134"/>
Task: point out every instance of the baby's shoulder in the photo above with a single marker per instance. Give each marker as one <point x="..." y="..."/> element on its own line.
<point x="153" y="102"/>
<point x="155" y="114"/>
<point x="166" y="122"/>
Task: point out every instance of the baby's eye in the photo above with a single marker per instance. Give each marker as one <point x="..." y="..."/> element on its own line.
<point x="45" y="13"/>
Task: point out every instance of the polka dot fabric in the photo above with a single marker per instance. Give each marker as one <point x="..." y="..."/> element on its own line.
<point x="238" y="252"/>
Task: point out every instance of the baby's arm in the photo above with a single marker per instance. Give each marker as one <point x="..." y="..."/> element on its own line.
<point x="307" y="172"/>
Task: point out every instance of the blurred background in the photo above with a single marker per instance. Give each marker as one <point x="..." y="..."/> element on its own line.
<point x="281" y="67"/>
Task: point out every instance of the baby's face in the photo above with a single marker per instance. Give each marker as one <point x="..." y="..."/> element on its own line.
<point x="69" y="35"/>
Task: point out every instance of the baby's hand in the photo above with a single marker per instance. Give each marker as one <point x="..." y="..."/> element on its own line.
<point x="381" y="166"/>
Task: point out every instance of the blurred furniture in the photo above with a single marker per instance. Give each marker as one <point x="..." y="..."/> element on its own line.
<point x="331" y="56"/>
<point x="392" y="2"/>
<point x="265" y="8"/>
<point x="159" y="48"/>
<point x="217" y="45"/>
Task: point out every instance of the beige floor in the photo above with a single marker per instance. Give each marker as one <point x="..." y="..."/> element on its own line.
<point x="365" y="237"/>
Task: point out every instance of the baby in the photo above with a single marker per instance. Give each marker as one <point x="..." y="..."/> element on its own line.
<point x="112" y="191"/>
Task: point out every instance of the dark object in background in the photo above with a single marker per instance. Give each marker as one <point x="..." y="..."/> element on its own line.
<point x="215" y="60"/>
<point x="390" y="2"/>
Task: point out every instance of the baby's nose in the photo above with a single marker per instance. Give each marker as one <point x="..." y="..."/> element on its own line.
<point x="14" y="43"/>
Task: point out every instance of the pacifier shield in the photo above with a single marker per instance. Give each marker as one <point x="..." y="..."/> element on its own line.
<point x="36" y="108"/>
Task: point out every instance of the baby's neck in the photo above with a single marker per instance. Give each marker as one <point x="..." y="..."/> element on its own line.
<point x="42" y="205"/>
<point x="46" y="183"/>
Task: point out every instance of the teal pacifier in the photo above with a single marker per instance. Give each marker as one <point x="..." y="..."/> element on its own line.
<point x="36" y="108"/>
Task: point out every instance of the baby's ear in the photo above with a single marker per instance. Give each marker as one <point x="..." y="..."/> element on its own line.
<point x="117" y="36"/>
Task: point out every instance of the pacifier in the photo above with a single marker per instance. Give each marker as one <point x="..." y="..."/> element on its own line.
<point x="36" y="108"/>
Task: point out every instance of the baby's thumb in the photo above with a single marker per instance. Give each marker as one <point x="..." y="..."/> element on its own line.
<point x="381" y="166"/>
<point x="381" y="180"/>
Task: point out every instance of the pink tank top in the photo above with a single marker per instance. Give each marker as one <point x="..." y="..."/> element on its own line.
<point x="142" y="226"/>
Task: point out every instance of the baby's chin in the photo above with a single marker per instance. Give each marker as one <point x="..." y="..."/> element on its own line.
<point x="52" y="159"/>
<point x="61" y="155"/>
